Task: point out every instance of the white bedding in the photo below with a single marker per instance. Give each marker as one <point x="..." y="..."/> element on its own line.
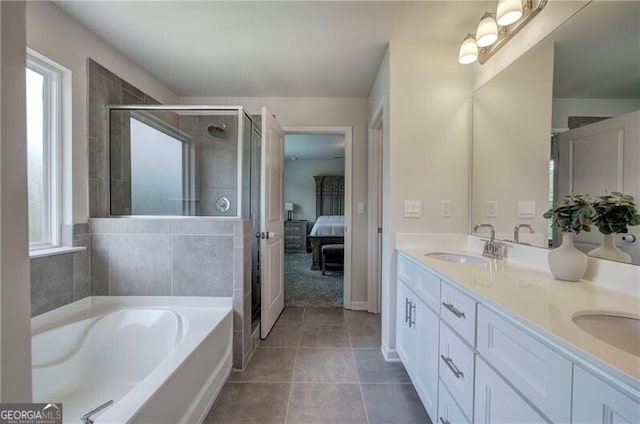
<point x="328" y="225"/>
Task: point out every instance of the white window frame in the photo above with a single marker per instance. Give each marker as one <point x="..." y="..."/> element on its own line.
<point x="52" y="150"/>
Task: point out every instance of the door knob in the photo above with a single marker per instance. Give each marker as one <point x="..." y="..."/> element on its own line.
<point x="260" y="235"/>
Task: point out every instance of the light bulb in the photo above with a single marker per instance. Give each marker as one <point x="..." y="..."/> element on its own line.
<point x="509" y="11"/>
<point x="487" y="32"/>
<point x="468" y="50"/>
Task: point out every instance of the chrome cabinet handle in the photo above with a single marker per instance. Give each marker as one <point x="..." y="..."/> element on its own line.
<point x="449" y="362"/>
<point x="406" y="309"/>
<point x="412" y="321"/>
<point x="443" y="421"/>
<point x="453" y="310"/>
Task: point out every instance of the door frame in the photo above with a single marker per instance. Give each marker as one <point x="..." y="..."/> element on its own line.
<point x="347" y="131"/>
<point x="374" y="243"/>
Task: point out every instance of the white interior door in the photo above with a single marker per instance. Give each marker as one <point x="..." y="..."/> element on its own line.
<point x="600" y="158"/>
<point x="272" y="223"/>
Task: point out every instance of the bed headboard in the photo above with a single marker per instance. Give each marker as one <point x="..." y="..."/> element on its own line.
<point x="329" y="195"/>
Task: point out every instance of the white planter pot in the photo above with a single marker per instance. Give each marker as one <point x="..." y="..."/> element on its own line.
<point x="566" y="262"/>
<point x="609" y="250"/>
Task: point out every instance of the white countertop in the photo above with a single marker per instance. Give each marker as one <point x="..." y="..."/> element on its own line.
<point x="532" y="296"/>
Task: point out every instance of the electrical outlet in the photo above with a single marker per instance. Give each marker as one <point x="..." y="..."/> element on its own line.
<point x="445" y="208"/>
<point x="492" y="209"/>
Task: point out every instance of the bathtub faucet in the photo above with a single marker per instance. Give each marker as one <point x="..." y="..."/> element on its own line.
<point x="86" y="418"/>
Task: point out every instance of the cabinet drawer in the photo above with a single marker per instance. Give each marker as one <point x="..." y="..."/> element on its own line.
<point x="292" y="246"/>
<point x="292" y="237"/>
<point x="541" y="374"/>
<point x="595" y="401"/>
<point x="448" y="410"/>
<point x="459" y="311"/>
<point x="456" y="368"/>
<point x="422" y="281"/>
<point x="293" y="229"/>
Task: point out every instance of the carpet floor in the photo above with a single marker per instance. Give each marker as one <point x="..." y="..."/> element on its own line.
<point x="305" y="288"/>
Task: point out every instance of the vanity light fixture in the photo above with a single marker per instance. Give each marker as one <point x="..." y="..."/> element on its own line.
<point x="468" y="50"/>
<point x="496" y="29"/>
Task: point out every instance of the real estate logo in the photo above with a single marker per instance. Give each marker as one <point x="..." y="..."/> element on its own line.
<point x="30" y="413"/>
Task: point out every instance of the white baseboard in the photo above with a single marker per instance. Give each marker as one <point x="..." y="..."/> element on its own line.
<point x="390" y="355"/>
<point x="359" y="306"/>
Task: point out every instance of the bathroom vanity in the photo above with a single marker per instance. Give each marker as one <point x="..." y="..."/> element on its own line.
<point x="502" y="341"/>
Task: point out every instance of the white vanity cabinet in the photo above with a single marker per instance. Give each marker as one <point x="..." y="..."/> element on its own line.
<point x="417" y="331"/>
<point x="596" y="401"/>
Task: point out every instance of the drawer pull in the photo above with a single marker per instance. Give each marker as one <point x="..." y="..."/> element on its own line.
<point x="453" y="310"/>
<point x="406" y="309"/>
<point x="452" y="367"/>
<point x="412" y="321"/>
<point x="443" y="421"/>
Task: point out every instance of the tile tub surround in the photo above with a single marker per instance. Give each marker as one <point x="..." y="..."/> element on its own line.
<point x="60" y="279"/>
<point x="177" y="257"/>
<point x="294" y="379"/>
<point x="531" y="295"/>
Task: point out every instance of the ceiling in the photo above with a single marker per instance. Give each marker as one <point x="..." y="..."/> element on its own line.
<point x="597" y="53"/>
<point x="313" y="146"/>
<point x="270" y="48"/>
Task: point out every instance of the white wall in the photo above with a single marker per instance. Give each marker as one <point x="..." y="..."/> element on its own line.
<point x="511" y="139"/>
<point x="429" y="141"/>
<point x="56" y="35"/>
<point x="15" y="303"/>
<point x="563" y="108"/>
<point x="323" y="111"/>
<point x="300" y="186"/>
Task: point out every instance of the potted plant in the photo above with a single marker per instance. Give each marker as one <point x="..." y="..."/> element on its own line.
<point x="615" y="212"/>
<point x="571" y="216"/>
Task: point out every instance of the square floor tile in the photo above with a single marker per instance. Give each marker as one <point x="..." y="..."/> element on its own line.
<point x="372" y="368"/>
<point x="325" y="365"/>
<point x="249" y="403"/>
<point x="393" y="404"/>
<point x="326" y="336"/>
<point x="323" y="317"/>
<point x="282" y="335"/>
<point x="361" y="319"/>
<point x="325" y="403"/>
<point x="268" y="365"/>
<point x="364" y="336"/>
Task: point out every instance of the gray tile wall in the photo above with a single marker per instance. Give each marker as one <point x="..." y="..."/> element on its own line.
<point x="61" y="279"/>
<point x="177" y="257"/>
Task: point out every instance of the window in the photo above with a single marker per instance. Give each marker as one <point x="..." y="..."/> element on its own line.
<point x="43" y="82"/>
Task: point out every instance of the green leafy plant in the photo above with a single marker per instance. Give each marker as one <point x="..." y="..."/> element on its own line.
<point x="615" y="212"/>
<point x="573" y="214"/>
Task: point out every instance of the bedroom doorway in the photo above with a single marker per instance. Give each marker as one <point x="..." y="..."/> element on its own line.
<point x="317" y="199"/>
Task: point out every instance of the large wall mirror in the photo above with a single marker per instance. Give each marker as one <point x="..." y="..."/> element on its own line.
<point x="564" y="118"/>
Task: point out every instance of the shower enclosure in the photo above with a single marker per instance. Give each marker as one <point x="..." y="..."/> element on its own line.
<point x="187" y="161"/>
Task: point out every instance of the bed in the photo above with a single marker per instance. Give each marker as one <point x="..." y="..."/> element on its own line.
<point x="329" y="225"/>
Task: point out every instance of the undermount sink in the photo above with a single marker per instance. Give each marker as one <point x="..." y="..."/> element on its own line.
<point x="457" y="258"/>
<point x="618" y="331"/>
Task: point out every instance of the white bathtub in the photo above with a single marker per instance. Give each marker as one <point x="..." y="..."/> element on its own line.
<point x="160" y="359"/>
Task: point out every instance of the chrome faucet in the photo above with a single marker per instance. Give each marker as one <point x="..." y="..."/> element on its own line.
<point x="492" y="248"/>
<point x="516" y="231"/>
<point x="493" y="230"/>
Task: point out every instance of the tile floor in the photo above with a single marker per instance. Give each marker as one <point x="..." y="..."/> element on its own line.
<point x="320" y="366"/>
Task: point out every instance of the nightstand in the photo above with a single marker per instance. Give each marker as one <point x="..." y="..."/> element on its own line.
<point x="295" y="236"/>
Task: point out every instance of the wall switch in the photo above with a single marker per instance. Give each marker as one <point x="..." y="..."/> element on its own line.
<point x="527" y="210"/>
<point x="492" y="209"/>
<point x="445" y="208"/>
<point x="412" y="208"/>
<point x="361" y="208"/>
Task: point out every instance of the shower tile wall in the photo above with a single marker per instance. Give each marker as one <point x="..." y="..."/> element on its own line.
<point x="216" y="161"/>
<point x="61" y="279"/>
<point x="177" y="257"/>
<point x="106" y="88"/>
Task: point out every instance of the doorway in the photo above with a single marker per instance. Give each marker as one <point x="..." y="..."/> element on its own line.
<point x="376" y="196"/>
<point x="317" y="201"/>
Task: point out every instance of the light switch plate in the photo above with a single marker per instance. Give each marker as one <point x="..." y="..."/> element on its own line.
<point x="445" y="208"/>
<point x="412" y="208"/>
<point x="492" y="208"/>
<point x="527" y="209"/>
<point x="361" y="208"/>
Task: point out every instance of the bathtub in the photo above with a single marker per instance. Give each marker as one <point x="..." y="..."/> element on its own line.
<point x="160" y="359"/>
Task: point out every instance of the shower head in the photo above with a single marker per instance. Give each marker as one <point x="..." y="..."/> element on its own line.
<point x="218" y="131"/>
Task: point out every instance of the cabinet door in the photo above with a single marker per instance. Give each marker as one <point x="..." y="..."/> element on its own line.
<point x="497" y="402"/>
<point x="426" y="354"/>
<point x="595" y="401"/>
<point x="405" y="340"/>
